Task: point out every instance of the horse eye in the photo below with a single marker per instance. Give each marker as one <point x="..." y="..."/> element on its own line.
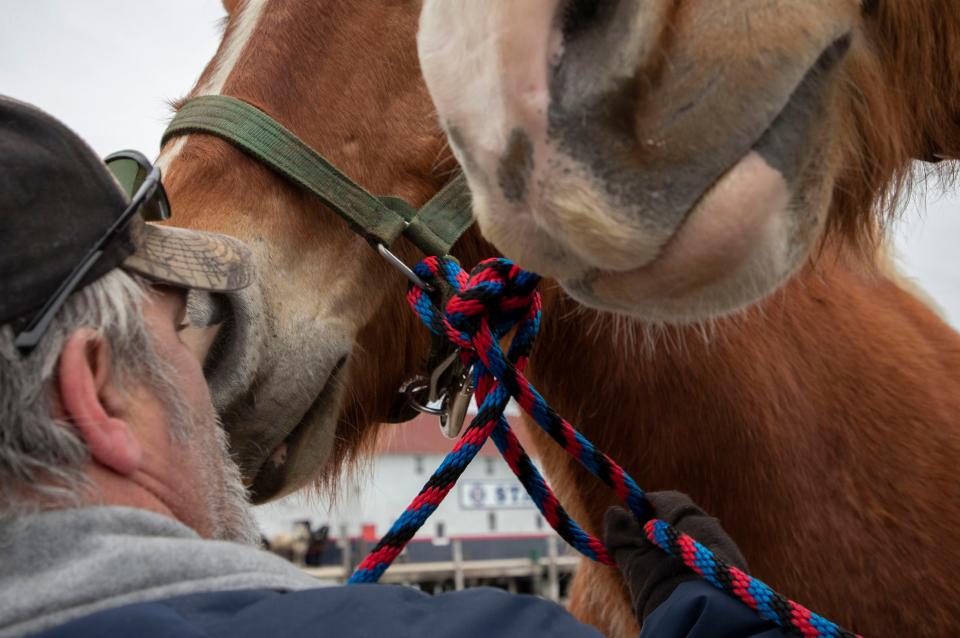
<point x="870" y="7"/>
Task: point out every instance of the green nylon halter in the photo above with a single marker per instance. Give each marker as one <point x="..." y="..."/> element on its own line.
<point x="434" y="228"/>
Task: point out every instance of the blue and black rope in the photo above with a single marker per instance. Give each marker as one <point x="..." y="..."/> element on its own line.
<point x="499" y="297"/>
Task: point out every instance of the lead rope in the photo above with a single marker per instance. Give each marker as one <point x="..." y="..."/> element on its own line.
<point x="497" y="297"/>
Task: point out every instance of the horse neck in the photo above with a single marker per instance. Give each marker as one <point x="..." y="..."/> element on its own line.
<point x="825" y="373"/>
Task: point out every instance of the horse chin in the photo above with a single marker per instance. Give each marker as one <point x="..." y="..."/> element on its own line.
<point x="739" y="244"/>
<point x="281" y="422"/>
<point x="740" y="237"/>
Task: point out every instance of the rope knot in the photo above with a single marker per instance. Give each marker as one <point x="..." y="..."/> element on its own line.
<point x="497" y="291"/>
<point x="479" y="308"/>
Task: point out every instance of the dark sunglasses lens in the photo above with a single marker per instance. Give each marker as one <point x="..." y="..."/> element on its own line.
<point x="156" y="208"/>
<point x="129" y="172"/>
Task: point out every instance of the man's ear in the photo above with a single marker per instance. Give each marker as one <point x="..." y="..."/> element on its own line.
<point x="91" y="402"/>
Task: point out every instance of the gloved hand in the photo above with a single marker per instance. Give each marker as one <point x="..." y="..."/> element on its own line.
<point x="652" y="575"/>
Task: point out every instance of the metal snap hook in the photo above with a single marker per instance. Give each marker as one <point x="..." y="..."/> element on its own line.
<point x="404" y="269"/>
<point x="436" y="393"/>
<point x="454" y="414"/>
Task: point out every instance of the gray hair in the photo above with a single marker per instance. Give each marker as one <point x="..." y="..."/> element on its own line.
<point x="41" y="457"/>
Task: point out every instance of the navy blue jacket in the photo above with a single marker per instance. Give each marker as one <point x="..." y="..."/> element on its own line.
<point x="695" y="610"/>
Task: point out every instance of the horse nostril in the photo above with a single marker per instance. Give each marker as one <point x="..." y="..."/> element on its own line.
<point x="578" y="15"/>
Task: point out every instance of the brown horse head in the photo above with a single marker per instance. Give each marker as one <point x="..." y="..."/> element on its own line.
<point x="672" y="160"/>
<point x="677" y="161"/>
<point x="311" y="357"/>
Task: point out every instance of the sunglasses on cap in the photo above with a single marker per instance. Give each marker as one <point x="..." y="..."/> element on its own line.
<point x="134" y="171"/>
<point x="141" y="181"/>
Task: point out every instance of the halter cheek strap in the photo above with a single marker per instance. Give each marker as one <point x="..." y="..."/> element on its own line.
<point x="434" y="228"/>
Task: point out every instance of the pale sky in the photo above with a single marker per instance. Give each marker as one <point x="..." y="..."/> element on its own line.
<point x="107" y="68"/>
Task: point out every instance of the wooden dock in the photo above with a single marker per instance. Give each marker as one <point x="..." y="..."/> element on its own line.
<point x="545" y="572"/>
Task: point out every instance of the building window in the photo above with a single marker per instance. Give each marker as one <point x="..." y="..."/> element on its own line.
<point x="441" y="531"/>
<point x="418" y="464"/>
<point x="491" y="465"/>
<point x="492" y="521"/>
<point x="539" y="522"/>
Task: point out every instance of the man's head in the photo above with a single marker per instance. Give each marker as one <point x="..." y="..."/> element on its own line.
<point x="109" y="405"/>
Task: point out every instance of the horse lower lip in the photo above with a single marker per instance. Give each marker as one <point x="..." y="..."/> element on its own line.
<point x="272" y="473"/>
<point x="278" y="457"/>
<point x="269" y="476"/>
<point x="787" y="140"/>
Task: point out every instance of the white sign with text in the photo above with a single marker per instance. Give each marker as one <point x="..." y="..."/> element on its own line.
<point x="493" y="495"/>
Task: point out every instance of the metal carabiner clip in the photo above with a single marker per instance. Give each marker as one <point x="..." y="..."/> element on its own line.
<point x="423" y="392"/>
<point x="454" y="399"/>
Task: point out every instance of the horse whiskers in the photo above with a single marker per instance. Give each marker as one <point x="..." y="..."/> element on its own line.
<point x="448" y="172"/>
<point x="635" y="336"/>
<point x="444" y="156"/>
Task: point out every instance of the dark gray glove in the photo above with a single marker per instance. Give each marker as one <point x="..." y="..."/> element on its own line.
<point x="652" y="575"/>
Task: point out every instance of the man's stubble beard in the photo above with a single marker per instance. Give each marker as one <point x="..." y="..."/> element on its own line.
<point x="200" y="433"/>
<point x="228" y="504"/>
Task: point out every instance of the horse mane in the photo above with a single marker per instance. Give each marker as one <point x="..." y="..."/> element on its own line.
<point x="902" y="102"/>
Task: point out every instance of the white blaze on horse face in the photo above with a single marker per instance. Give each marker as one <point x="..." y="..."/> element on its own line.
<point x="245" y="356"/>
<point x="244" y="27"/>
<point x="247" y="304"/>
<point x="230" y="52"/>
<point x="485" y="65"/>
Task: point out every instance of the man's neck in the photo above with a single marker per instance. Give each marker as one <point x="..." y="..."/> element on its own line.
<point x="139" y="491"/>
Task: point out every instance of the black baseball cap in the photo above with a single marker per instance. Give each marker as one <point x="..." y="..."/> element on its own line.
<point x="58" y="200"/>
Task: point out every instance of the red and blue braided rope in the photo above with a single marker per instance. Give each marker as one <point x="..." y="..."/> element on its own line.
<point x="496" y="298"/>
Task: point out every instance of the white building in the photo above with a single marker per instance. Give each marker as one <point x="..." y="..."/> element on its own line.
<point x="488" y="509"/>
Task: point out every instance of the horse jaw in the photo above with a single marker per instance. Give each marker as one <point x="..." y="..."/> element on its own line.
<point x="672" y="185"/>
<point x="283" y="401"/>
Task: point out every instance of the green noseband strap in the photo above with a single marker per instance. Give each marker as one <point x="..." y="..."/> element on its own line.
<point x="380" y="220"/>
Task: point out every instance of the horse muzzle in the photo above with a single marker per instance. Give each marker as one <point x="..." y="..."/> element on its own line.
<point x="600" y="138"/>
<point x="280" y="420"/>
